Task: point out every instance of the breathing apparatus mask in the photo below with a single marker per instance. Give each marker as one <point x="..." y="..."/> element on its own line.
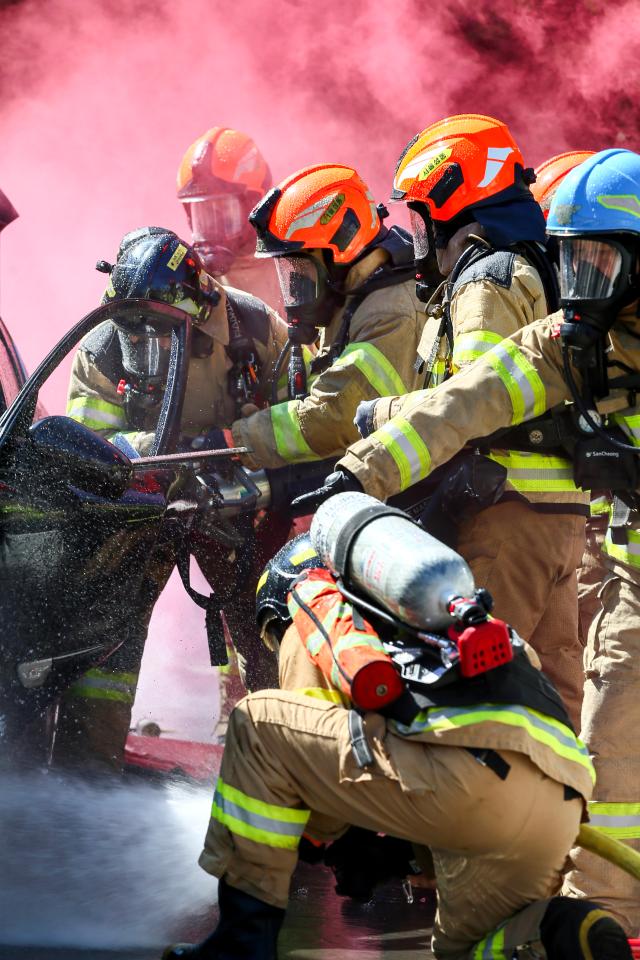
<point x="310" y="294"/>
<point x="220" y="230"/>
<point x="425" y="244"/>
<point x="598" y="278"/>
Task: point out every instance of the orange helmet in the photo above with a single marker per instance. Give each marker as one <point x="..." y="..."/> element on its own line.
<point x="325" y="207"/>
<point x="551" y="172"/>
<point x="458" y="163"/>
<point x="221" y="177"/>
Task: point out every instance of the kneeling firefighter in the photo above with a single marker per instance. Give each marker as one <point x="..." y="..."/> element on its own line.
<point x="429" y="722"/>
<point x="348" y="279"/>
<point x="116" y="388"/>
<point x="465" y="183"/>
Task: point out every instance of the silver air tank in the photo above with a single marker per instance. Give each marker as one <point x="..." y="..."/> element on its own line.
<point x="382" y="553"/>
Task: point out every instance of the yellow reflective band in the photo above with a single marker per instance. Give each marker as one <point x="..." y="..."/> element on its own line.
<point x="628" y="552"/>
<point x="539" y="726"/>
<point x="492" y="947"/>
<point x="599" y="507"/>
<point x="316" y="639"/>
<point x="620" y="820"/>
<point x="467" y="347"/>
<point x="299" y="558"/>
<point x="99" y="684"/>
<point x="536" y="471"/>
<point x="322" y="693"/>
<point x="626" y="202"/>
<point x="95" y="413"/>
<point x="409" y="452"/>
<point x="630" y="425"/>
<point x="520" y="379"/>
<point x="262" y="581"/>
<point x="264" y="823"/>
<point x="374" y="366"/>
<point x="290" y="443"/>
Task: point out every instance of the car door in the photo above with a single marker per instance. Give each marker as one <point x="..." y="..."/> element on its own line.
<point x="79" y="529"/>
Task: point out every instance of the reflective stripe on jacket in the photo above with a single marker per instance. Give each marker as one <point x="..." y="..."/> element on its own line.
<point x="378" y="360"/>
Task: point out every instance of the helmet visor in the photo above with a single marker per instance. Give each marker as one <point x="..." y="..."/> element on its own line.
<point x="420" y="233"/>
<point x="145" y="353"/>
<point x="217" y="220"/>
<point x="299" y="280"/>
<point x="588" y="268"/>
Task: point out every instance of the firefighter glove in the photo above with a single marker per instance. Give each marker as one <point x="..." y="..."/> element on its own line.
<point x="214" y="439"/>
<point x="363" y="419"/>
<point x="361" y="860"/>
<point x="340" y="481"/>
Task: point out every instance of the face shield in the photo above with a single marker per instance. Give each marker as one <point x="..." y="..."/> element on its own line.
<point x="145" y="354"/>
<point x="420" y="232"/>
<point x="591" y="269"/>
<point x="300" y="281"/>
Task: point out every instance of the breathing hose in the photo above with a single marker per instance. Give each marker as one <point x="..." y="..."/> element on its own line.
<point x="610" y="849"/>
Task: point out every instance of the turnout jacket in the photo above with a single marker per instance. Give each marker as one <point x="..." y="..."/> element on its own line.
<point x="515" y="380"/>
<point x="93" y="398"/>
<point x="455" y="721"/>
<point x="378" y="360"/>
<point x="491" y="299"/>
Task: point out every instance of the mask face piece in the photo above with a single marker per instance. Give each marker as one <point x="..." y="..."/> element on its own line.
<point x="218" y="221"/>
<point x="299" y="281"/>
<point x="420" y="233"/>
<point x="145" y="354"/>
<point x="590" y="269"/>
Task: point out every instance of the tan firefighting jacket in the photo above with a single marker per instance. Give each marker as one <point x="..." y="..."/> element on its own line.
<point x="256" y="276"/>
<point x="379" y="359"/>
<point x="550" y="744"/>
<point x="94" y="400"/>
<point x="514" y="381"/>
<point x="483" y="312"/>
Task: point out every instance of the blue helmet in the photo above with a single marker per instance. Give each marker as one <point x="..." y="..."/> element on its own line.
<point x="601" y="195"/>
<point x="595" y="214"/>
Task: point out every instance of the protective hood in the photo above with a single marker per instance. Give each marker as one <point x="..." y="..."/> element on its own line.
<point x="513" y="221"/>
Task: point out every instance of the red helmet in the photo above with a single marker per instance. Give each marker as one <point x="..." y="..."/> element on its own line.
<point x="221" y="178"/>
<point x="551" y="172"/>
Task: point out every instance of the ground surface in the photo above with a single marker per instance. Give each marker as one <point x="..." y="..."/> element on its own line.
<point x="320" y="926"/>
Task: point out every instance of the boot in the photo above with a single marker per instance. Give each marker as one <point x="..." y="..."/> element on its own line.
<point x="247" y="930"/>
<point x="580" y="929"/>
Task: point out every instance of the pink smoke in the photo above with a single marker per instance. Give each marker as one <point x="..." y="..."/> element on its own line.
<point x="100" y="100"/>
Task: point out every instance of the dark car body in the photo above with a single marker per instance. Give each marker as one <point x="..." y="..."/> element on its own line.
<point x="80" y="529"/>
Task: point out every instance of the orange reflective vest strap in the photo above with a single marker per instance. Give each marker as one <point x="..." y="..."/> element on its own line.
<point x="268" y="824"/>
<point x="338" y="647"/>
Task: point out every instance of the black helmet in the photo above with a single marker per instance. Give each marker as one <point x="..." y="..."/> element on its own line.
<point x="278" y="577"/>
<point x="154" y="264"/>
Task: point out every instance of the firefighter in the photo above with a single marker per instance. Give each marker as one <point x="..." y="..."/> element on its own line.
<point x="497" y="791"/>
<point x="348" y="280"/>
<point x="592" y="571"/>
<point x="595" y="215"/>
<point x="116" y="386"/>
<point x="464" y="180"/>
<point x="221" y="178"/>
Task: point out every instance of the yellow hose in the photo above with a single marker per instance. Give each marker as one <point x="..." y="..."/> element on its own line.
<point x="609" y="849"/>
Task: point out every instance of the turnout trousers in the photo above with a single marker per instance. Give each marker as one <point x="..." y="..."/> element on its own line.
<point x="528" y="560"/>
<point x="611" y="730"/>
<point x="288" y="768"/>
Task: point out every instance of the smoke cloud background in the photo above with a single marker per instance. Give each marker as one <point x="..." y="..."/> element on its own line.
<point x="99" y="100"/>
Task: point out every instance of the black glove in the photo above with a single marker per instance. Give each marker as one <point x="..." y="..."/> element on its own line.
<point x="363" y="419"/>
<point x="361" y="860"/>
<point x="340" y="481"/>
<point x="213" y="439"/>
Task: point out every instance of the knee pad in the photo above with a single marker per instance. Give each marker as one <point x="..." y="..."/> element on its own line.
<point x="581" y="930"/>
